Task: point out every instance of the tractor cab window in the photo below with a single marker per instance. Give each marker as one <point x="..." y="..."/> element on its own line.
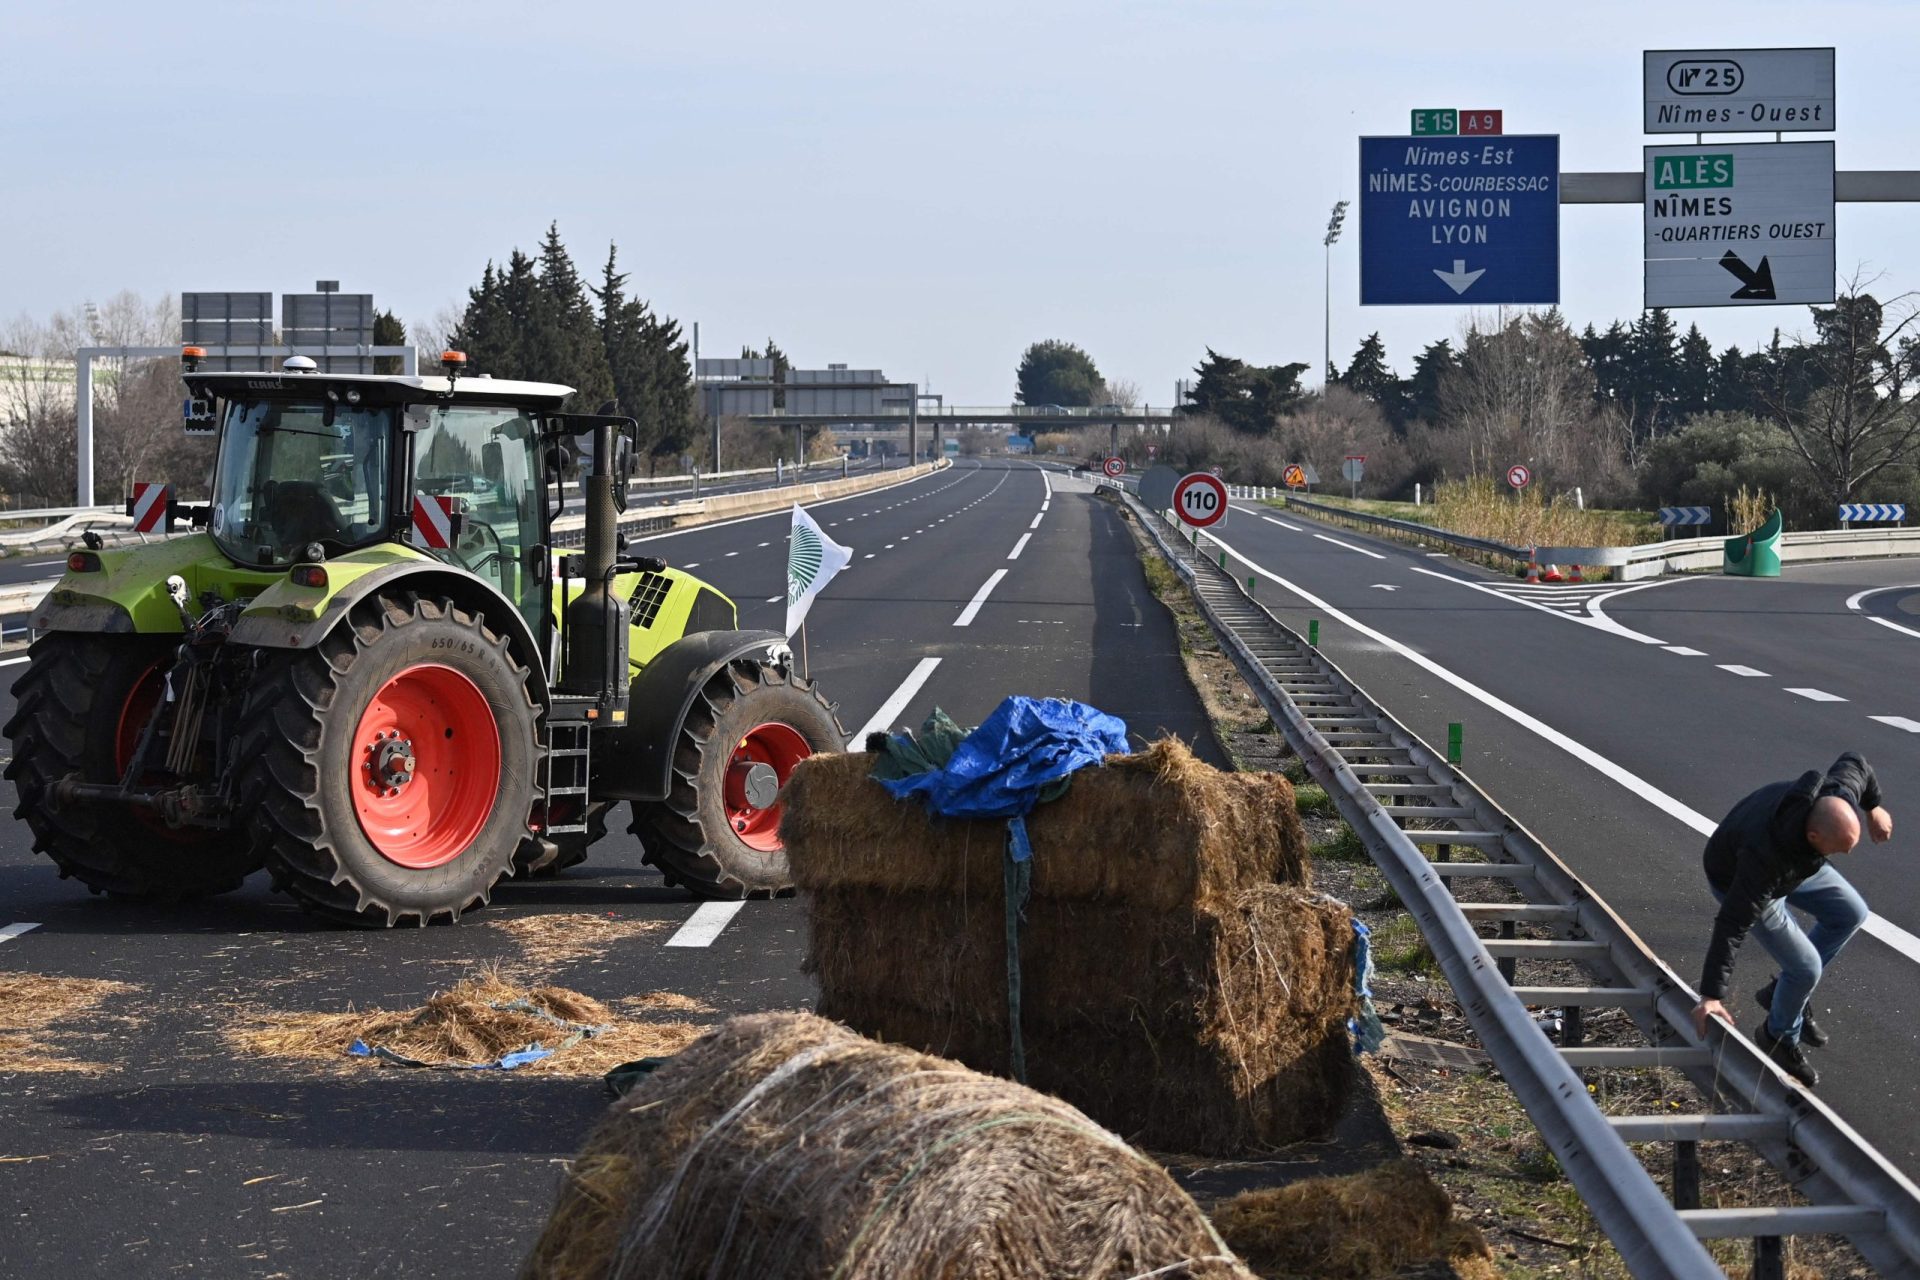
<point x="293" y="473"/>
<point x="485" y="459"/>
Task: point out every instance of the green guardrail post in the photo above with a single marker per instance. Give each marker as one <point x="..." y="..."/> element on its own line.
<point x="1249" y="584"/>
<point x="1313" y="632"/>
<point x="1223" y="559"/>
<point x="1453" y="743"/>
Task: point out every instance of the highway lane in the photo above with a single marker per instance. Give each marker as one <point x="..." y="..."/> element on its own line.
<point x="181" y="1155"/>
<point x="1659" y="740"/>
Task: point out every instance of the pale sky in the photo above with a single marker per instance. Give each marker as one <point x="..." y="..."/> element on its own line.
<point x="888" y="185"/>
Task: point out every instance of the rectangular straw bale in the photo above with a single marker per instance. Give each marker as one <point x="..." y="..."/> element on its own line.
<point x="1283" y="953"/>
<point x="1161" y="830"/>
<point x="1231" y="1039"/>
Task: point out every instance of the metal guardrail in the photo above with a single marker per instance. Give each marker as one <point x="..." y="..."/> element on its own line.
<point x="1384" y="780"/>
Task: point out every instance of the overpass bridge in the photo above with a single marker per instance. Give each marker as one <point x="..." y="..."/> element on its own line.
<point x="902" y="426"/>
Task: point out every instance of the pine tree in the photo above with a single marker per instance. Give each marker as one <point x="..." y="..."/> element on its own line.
<point x="647" y="362"/>
<point x="1368" y="375"/>
<point x="1653" y="372"/>
<point x="388" y="332"/>
<point x="1694" y="386"/>
<point x="563" y="335"/>
<point x="1430" y="369"/>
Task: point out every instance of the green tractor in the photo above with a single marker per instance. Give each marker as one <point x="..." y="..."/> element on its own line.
<point x="370" y="670"/>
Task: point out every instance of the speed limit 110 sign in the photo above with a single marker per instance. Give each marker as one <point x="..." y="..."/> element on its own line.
<point x="1200" y="500"/>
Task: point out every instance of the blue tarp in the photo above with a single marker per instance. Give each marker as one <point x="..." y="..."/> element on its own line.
<point x="1026" y="747"/>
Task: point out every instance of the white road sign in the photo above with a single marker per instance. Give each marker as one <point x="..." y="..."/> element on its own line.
<point x="1739" y="224"/>
<point x="1738" y="90"/>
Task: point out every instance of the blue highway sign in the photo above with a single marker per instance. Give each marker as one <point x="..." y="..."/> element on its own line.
<point x="1460" y="221"/>
<point x="1671" y="516"/>
<point x="1872" y="512"/>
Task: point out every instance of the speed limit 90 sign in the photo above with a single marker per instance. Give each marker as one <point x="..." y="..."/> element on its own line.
<point x="1200" y="499"/>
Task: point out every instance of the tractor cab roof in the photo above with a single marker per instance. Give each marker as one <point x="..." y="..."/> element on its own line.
<point x="379" y="388"/>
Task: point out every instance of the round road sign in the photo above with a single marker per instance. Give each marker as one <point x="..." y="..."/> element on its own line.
<point x="1199" y="499"/>
<point x="1518" y="476"/>
<point x="1114" y="467"/>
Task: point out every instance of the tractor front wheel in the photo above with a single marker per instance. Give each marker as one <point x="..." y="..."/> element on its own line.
<point x="718" y="832"/>
<point x="80" y="710"/>
<point x="390" y="771"/>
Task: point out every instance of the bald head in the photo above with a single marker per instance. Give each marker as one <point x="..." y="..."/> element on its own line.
<point x="1832" y="826"/>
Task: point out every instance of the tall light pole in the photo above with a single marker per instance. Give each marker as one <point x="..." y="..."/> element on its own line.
<point x="1333" y="233"/>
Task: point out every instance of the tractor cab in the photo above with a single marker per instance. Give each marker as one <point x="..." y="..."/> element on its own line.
<point x="312" y="467"/>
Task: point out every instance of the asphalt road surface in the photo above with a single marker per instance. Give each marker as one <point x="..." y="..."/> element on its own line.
<point x="1619" y="724"/>
<point x="180" y="1157"/>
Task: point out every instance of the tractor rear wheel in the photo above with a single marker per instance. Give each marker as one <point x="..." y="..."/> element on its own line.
<point x="718" y="832"/>
<point x="390" y="770"/>
<point x="80" y="709"/>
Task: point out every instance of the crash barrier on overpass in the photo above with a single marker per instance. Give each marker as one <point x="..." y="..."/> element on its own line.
<point x="1651" y="560"/>
<point x="1399" y="795"/>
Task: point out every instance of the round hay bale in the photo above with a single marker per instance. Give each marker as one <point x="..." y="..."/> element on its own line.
<point x="783" y="1146"/>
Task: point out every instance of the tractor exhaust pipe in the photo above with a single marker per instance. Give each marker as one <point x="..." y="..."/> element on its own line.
<point x="590" y="626"/>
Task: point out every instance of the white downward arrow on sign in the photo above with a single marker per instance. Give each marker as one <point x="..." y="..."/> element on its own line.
<point x="1460" y="279"/>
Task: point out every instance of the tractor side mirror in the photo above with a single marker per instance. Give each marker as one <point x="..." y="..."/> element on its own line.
<point x="623" y="468"/>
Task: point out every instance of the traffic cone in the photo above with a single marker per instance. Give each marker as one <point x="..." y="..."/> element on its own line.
<point x="1553" y="574"/>
<point x="1575" y="576"/>
<point x="1533" y="567"/>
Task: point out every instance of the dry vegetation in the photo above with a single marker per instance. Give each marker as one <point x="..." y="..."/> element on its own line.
<point x="472" y="1023"/>
<point x="565" y="937"/>
<point x="1486" y="508"/>
<point x="37" y="1016"/>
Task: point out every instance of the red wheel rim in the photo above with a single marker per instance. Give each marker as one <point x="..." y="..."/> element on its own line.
<point x="779" y="747"/>
<point x="142" y="700"/>
<point x="425" y="766"/>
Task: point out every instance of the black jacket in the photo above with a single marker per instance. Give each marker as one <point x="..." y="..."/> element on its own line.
<point x="1759" y="853"/>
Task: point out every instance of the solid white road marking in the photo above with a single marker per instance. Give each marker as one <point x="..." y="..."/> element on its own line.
<point x="1739" y="670"/>
<point x="1683" y="651"/>
<point x="882" y="720"/>
<point x="1907" y="944"/>
<point x="1817" y="695"/>
<point x="1018" y="547"/>
<point x="1349" y="546"/>
<point x="979" y="598"/>
<point x="1898" y="722"/>
<point x="1894" y="626"/>
<point x="705" y="924"/>
<point x="12" y="662"/>
<point x="15" y="930"/>
<point x="1283" y="524"/>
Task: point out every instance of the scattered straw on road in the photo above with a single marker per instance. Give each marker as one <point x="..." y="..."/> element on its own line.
<point x="36" y="1013"/>
<point x="566" y="937"/>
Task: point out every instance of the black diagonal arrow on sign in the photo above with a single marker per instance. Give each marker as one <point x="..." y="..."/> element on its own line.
<point x="1756" y="283"/>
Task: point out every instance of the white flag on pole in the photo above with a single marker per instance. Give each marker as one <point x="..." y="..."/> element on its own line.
<point x="812" y="560"/>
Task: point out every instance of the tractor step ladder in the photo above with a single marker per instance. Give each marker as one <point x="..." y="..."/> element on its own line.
<point x="565" y="771"/>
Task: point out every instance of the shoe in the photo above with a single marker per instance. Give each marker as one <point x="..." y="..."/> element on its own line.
<point x="1786" y="1053"/>
<point x="1810" y="1032"/>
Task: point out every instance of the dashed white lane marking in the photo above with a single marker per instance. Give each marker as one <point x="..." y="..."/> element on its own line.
<point x="12" y="662"/>
<point x="1898" y="722"/>
<point x="1037" y="519"/>
<point x="1283" y="524"/>
<point x="867" y="556"/>
<point x="1683" y="651"/>
<point x="766" y="544"/>
<point x="1817" y="695"/>
<point x="15" y="930"/>
<point x="882" y="720"/>
<point x="968" y="614"/>
<point x="1018" y="547"/>
<point x="733" y="553"/>
<point x="1349" y="546"/>
<point x="705" y="924"/>
<point x="775" y="599"/>
<point x="1907" y="944"/>
<point x="1739" y="670"/>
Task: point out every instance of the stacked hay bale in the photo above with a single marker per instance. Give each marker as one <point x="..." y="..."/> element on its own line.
<point x="781" y="1146"/>
<point x="1179" y="982"/>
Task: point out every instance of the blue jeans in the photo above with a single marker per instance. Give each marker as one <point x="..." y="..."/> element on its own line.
<point x="1837" y="911"/>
